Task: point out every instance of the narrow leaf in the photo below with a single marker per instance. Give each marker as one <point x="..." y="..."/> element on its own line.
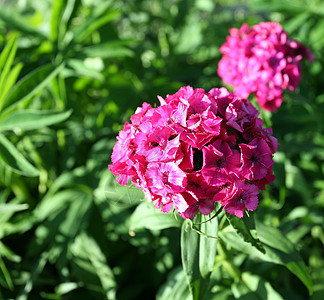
<point x="254" y="287"/>
<point x="278" y="248"/>
<point x="51" y="204"/>
<point x="83" y="70"/>
<point x="27" y="120"/>
<point x="14" y="160"/>
<point x="10" y="81"/>
<point x="31" y="84"/>
<point x="8" y="207"/>
<point x="175" y="288"/>
<point x="8" y="253"/>
<point x="87" y="247"/>
<point x="245" y="227"/>
<point x="66" y="287"/>
<point x="94" y="22"/>
<point x="12" y="44"/>
<point x="6" y="61"/>
<point x="198" y="254"/>
<point x="108" y="50"/>
<point x="57" y="12"/>
<point x="6" y="274"/>
<point x="16" y="21"/>
<point x="190" y="258"/>
<point x="207" y="247"/>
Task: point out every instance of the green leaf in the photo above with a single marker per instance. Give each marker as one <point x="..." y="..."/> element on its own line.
<point x="207" y="246"/>
<point x="296" y="22"/>
<point x="31" y="84"/>
<point x="147" y="216"/>
<point x="10" y="81"/>
<point x="185" y="43"/>
<point x="9" y="207"/>
<point x="31" y="277"/>
<point x="27" y="119"/>
<point x="14" y="160"/>
<point x="53" y="204"/>
<point x="6" y="52"/>
<point x="198" y="254"/>
<point x="278" y="248"/>
<point x="175" y="288"/>
<point x="82" y="70"/>
<point x="8" y="253"/>
<point x="62" y="216"/>
<point x="16" y="21"/>
<point x="245" y="227"/>
<point x="6" y="59"/>
<point x="254" y="287"/>
<point x="295" y="180"/>
<point x="66" y="287"/>
<point x="58" y="7"/>
<point x="6" y="274"/>
<point x="100" y="17"/>
<point x="283" y="5"/>
<point x="190" y="258"/>
<point x="87" y="248"/>
<point x="108" y="50"/>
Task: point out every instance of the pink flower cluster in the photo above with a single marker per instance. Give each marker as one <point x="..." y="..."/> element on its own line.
<point x="262" y="60"/>
<point x="196" y="149"/>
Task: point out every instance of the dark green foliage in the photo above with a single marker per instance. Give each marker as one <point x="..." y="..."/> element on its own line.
<point x="71" y="73"/>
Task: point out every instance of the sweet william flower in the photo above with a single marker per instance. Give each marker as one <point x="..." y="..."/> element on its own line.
<point x="219" y="167"/>
<point x="241" y="196"/>
<point x="256" y="159"/>
<point x="261" y="59"/>
<point x="196" y="149"/>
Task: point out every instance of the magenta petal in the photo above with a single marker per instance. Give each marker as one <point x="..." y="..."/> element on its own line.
<point x="199" y="148"/>
<point x="166" y="207"/>
<point x="206" y="206"/>
<point x="180" y="203"/>
<point x="261" y="59"/>
<point x="190" y="212"/>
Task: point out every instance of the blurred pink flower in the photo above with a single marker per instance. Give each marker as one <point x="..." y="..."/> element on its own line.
<point x="262" y="60"/>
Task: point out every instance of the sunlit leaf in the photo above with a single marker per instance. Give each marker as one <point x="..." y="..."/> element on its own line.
<point x="108" y="50"/>
<point x="147" y="216"/>
<point x="102" y="16"/>
<point x="175" y="288"/>
<point x="254" y="287"/>
<point x="31" y="84"/>
<point x="66" y="287"/>
<point x="9" y="207"/>
<point x="27" y="119"/>
<point x="245" y="227"/>
<point x="16" y="21"/>
<point x="83" y="70"/>
<point x="10" y="80"/>
<point x="56" y="18"/>
<point x="198" y="254"/>
<point x="278" y="248"/>
<point x="6" y="274"/>
<point x="6" y="59"/>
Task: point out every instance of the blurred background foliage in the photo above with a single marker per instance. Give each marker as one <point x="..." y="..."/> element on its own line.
<point x="72" y="72"/>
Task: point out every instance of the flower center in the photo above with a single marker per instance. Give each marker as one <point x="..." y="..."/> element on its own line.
<point x="220" y="163"/>
<point x="165" y="177"/>
<point x="197" y="159"/>
<point x="254" y="158"/>
<point x="153" y="144"/>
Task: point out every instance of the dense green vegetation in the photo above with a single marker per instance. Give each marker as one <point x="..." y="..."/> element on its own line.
<point x="71" y="73"/>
